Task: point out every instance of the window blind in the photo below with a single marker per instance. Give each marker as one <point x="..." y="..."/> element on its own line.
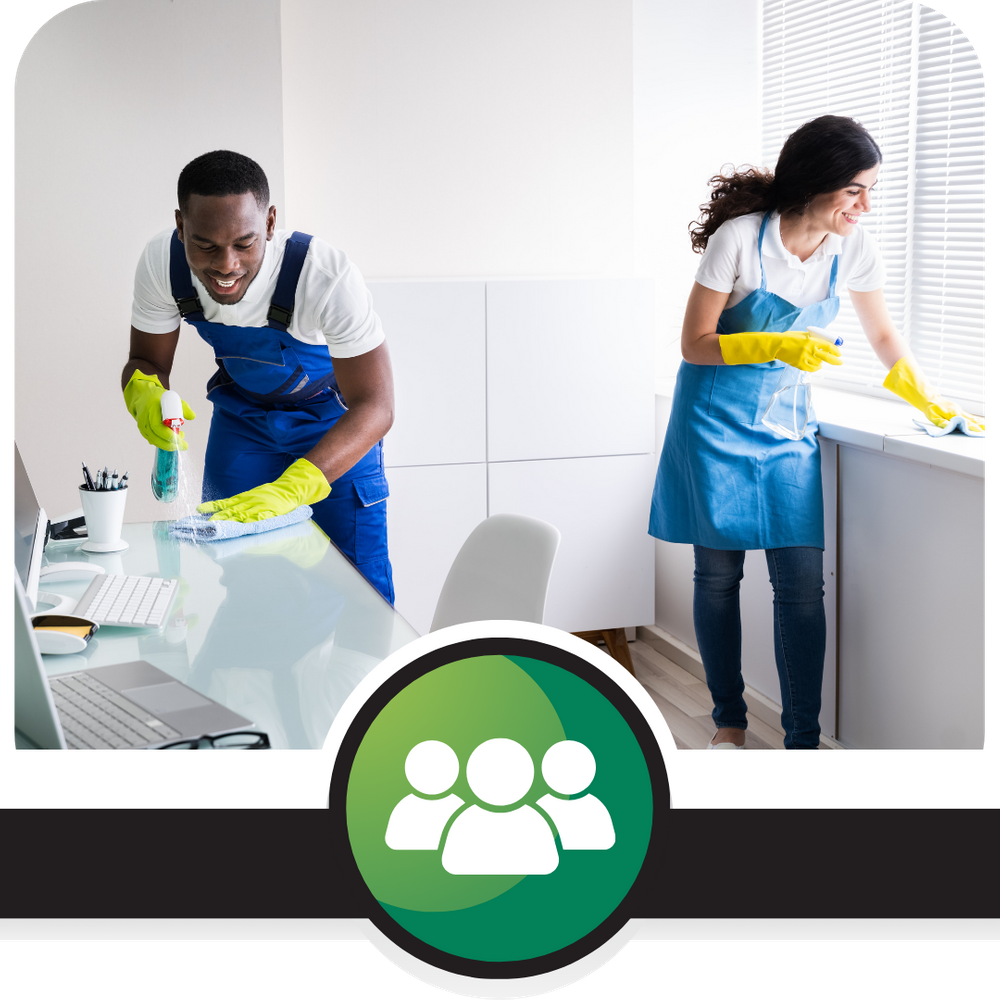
<point x="911" y="77"/>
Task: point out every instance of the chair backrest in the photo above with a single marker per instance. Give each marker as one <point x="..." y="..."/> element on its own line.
<point x="501" y="572"/>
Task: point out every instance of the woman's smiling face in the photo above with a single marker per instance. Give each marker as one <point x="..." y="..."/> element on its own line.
<point x="838" y="211"/>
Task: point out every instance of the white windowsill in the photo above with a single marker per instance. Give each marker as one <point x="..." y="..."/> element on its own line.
<point x="887" y="426"/>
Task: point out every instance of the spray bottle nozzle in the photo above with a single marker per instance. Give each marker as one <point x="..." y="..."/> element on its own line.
<point x="172" y="410"/>
<point x="819" y="331"/>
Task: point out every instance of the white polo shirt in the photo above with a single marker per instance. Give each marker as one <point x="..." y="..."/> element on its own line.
<point x="332" y="303"/>
<point x="730" y="263"/>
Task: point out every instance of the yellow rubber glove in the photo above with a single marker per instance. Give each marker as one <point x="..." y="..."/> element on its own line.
<point x="300" y="483"/>
<point x="142" y="397"/>
<point x="907" y="381"/>
<point x="797" y="348"/>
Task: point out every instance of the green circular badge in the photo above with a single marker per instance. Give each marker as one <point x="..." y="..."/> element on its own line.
<point x="499" y="806"/>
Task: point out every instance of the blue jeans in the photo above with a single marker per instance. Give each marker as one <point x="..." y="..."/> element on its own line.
<point x="799" y="636"/>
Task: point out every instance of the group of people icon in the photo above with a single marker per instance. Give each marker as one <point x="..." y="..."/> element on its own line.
<point x="499" y="840"/>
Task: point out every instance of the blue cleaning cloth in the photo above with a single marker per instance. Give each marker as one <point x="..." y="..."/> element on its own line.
<point x="224" y="548"/>
<point x="199" y="527"/>
<point x="956" y="423"/>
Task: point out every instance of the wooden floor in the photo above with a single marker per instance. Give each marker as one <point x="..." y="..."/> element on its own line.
<point x="686" y="704"/>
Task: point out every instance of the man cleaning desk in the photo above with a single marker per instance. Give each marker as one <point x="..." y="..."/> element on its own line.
<point x="303" y="393"/>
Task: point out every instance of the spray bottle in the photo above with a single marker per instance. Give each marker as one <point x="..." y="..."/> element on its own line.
<point x="164" y="476"/>
<point x="787" y="413"/>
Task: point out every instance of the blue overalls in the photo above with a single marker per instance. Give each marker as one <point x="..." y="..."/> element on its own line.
<point x="273" y="398"/>
<point x="725" y="481"/>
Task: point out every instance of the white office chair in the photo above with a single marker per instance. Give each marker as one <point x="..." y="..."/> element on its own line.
<point x="501" y="572"/>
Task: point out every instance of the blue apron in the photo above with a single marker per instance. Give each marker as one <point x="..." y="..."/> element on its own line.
<point x="273" y="398"/>
<point x="725" y="481"/>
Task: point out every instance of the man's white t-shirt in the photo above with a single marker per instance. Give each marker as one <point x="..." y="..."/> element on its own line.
<point x="730" y="263"/>
<point x="332" y="303"/>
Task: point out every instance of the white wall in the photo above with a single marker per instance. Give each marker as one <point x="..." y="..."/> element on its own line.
<point x="112" y="99"/>
<point x="449" y="139"/>
<point x="697" y="107"/>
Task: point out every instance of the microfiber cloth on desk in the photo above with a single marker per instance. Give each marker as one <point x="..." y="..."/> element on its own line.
<point x="956" y="423"/>
<point x="200" y="527"/>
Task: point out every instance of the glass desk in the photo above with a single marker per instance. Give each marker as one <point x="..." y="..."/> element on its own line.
<point x="279" y="627"/>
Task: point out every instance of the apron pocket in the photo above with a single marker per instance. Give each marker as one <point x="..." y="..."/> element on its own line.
<point x="372" y="489"/>
<point x="736" y="393"/>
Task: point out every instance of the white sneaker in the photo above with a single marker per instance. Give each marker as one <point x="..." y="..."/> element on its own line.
<point x="724" y="746"/>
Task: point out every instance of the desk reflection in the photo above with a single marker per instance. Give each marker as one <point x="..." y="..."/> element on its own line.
<point x="279" y="627"/>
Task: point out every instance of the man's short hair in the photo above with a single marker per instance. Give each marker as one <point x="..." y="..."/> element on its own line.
<point x="222" y="172"/>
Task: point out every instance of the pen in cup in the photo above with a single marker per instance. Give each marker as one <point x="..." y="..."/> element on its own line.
<point x="103" y="481"/>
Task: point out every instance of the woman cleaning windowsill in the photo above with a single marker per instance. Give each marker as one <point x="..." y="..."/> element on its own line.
<point x="725" y="482"/>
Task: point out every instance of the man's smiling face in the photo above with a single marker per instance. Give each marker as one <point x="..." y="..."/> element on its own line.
<point x="224" y="239"/>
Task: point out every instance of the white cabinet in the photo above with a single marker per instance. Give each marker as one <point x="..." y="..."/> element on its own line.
<point x="569" y="368"/>
<point x="911" y="618"/>
<point x="491" y="376"/>
<point x="432" y="510"/>
<point x="436" y="332"/>
<point x="603" y="573"/>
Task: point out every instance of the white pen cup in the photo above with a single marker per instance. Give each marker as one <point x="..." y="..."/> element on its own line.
<point x="104" y="512"/>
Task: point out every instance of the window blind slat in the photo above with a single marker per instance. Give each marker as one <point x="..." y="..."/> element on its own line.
<point x="856" y="58"/>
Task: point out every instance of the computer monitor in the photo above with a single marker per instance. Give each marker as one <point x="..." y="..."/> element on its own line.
<point x="30" y="526"/>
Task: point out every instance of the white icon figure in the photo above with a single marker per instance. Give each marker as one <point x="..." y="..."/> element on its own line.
<point x="584" y="824"/>
<point x="484" y="842"/>
<point x="416" y="823"/>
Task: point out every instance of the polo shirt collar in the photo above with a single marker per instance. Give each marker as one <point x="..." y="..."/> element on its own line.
<point x="773" y="247"/>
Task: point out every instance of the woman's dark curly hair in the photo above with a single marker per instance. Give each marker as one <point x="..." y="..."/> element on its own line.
<point x="823" y="155"/>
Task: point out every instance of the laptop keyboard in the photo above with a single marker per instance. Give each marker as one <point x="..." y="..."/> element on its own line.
<point x="130" y="600"/>
<point x="96" y="717"/>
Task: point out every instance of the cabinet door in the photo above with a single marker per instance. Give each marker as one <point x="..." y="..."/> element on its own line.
<point x="436" y="332"/>
<point x="432" y="510"/>
<point x="603" y="573"/>
<point x="569" y="368"/>
<point x="912" y="628"/>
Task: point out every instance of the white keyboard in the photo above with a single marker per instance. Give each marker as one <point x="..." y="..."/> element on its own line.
<point x="136" y="601"/>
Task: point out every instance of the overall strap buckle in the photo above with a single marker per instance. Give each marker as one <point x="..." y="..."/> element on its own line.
<point x="279" y="315"/>
<point x="181" y="286"/>
<point x="188" y="305"/>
